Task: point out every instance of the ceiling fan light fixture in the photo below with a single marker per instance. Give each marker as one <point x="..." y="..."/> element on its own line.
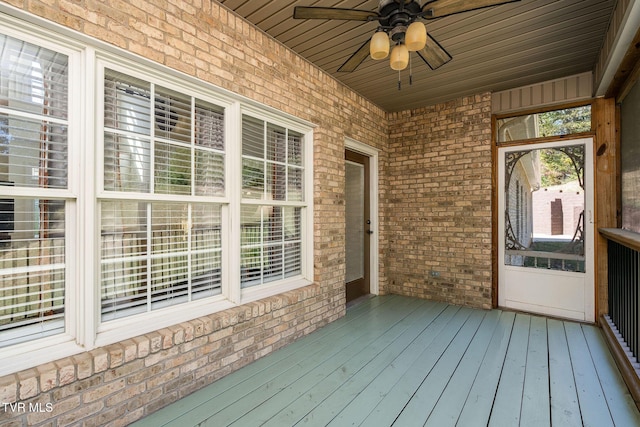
<point x="379" y="46"/>
<point x="399" y="57"/>
<point x="416" y="36"/>
<point x="401" y="26"/>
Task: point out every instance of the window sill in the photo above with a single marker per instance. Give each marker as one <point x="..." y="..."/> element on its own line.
<point x="39" y="352"/>
<point x="268" y="290"/>
<point x="129" y="327"/>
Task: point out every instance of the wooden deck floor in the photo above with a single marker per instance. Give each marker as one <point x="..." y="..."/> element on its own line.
<point x="400" y="361"/>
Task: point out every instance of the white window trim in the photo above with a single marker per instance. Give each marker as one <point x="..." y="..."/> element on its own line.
<point x="87" y="58"/>
<point x="127" y="327"/>
<point x="264" y="290"/>
<point x="62" y="345"/>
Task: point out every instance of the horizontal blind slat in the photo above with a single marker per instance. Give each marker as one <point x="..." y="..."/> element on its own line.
<point x="140" y="275"/>
<point x="34" y="79"/>
<point x="32" y="271"/>
<point x="270" y="243"/>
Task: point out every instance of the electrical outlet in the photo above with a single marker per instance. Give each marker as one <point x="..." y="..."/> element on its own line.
<point x="435" y="273"/>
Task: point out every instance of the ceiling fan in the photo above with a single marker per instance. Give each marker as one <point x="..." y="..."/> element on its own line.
<point x="395" y="18"/>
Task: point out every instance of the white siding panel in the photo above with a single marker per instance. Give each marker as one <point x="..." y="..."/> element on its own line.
<point x="568" y="89"/>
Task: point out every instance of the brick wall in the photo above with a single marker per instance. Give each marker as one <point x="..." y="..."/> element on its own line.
<point x="435" y="187"/>
<point x="122" y="382"/>
<point x="439" y="202"/>
<point x="570" y="201"/>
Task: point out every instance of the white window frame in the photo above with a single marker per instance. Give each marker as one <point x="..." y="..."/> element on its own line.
<point x="232" y="295"/>
<point x="255" y="293"/>
<point x="83" y="329"/>
<point x="65" y="344"/>
<point x="119" y="329"/>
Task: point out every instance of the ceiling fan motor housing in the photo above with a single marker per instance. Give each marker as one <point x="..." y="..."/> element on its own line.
<point x="397" y="33"/>
<point x="395" y="16"/>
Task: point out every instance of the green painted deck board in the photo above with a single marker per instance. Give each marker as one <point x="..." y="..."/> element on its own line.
<point x="450" y="404"/>
<point x="327" y="393"/>
<point x="235" y="402"/>
<point x="376" y="389"/>
<point x="306" y="372"/>
<point x="620" y="403"/>
<point x="339" y="368"/>
<point x="593" y="406"/>
<point x="367" y="394"/>
<point x="508" y="402"/>
<point x="565" y="409"/>
<point x="403" y="390"/>
<point x="267" y="367"/>
<point x="421" y="404"/>
<point x="535" y="410"/>
<point x="477" y="407"/>
<point x="412" y="362"/>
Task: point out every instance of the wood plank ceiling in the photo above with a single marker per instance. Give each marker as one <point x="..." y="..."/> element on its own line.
<point x="493" y="49"/>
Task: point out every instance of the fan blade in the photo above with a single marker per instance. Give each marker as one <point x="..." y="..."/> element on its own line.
<point x="302" y="12"/>
<point x="433" y="54"/>
<point x="356" y="59"/>
<point x="440" y="8"/>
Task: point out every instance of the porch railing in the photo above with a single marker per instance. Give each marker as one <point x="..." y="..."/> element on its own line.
<point x="549" y="260"/>
<point x="624" y="288"/>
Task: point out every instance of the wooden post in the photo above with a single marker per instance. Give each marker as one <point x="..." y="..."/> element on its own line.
<point x="606" y="189"/>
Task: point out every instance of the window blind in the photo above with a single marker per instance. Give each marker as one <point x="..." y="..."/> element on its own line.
<point x="33" y="79"/>
<point x="209" y="150"/>
<point x="157" y="253"/>
<point x="271" y="243"/>
<point x="272" y="171"/>
<point x="33" y="154"/>
<point x="32" y="272"/>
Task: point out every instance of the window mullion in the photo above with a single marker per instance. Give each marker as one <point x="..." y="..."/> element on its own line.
<point x="232" y="214"/>
<point x="190" y="205"/>
<point x="286" y="165"/>
<point x="193" y="146"/>
<point x="85" y="304"/>
<point x="265" y="152"/>
<point x="149" y="287"/>
<point x="189" y="253"/>
<point x="263" y="263"/>
<point x="282" y="241"/>
<point x="152" y="142"/>
<point x="149" y="210"/>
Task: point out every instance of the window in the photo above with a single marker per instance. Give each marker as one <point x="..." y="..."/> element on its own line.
<point x="164" y="247"/>
<point x="34" y="169"/>
<point x="148" y="222"/>
<point x="165" y="222"/>
<point x="567" y="121"/>
<point x="273" y="198"/>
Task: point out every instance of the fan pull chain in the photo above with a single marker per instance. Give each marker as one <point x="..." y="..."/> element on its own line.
<point x="399" y="81"/>
<point x="410" y="72"/>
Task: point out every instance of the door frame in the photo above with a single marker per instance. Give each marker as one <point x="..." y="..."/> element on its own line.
<point x="374" y="240"/>
<point x="590" y="181"/>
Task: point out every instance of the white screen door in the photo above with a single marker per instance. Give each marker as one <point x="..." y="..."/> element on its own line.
<point x="545" y="226"/>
